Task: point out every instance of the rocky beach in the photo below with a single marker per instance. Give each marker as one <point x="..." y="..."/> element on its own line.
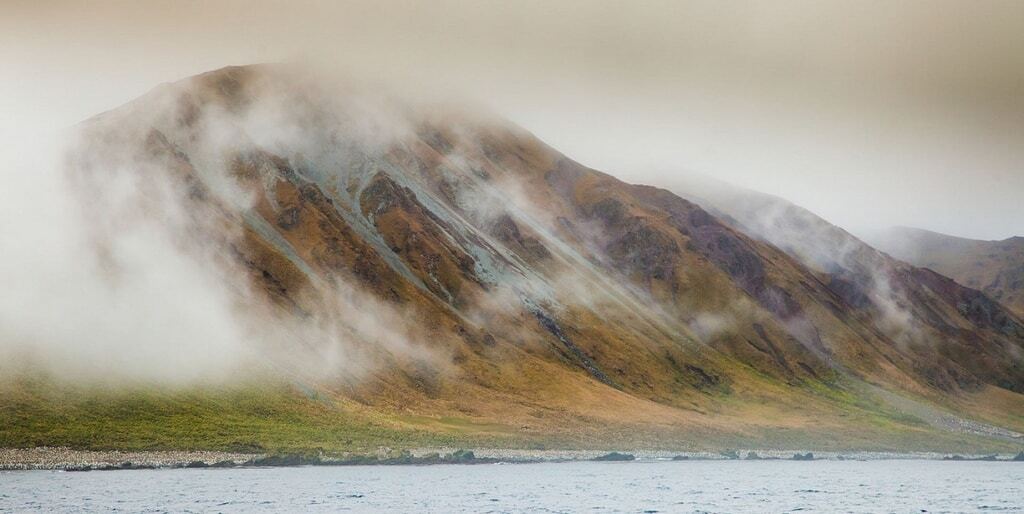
<point x="67" y="459"/>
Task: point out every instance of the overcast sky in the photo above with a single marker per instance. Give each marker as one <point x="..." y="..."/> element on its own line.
<point x="870" y="114"/>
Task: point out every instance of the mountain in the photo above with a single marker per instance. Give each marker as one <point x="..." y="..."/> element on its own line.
<point x="995" y="267"/>
<point x="412" y="272"/>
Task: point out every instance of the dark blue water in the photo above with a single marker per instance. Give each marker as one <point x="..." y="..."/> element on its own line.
<point x="695" y="486"/>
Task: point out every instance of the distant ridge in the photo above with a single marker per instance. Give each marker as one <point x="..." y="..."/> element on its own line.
<point x="995" y="267"/>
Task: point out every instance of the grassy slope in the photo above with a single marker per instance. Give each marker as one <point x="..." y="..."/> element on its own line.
<point x="243" y="418"/>
<point x="281" y="418"/>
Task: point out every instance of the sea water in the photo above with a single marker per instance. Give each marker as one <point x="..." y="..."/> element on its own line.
<point x="646" y="487"/>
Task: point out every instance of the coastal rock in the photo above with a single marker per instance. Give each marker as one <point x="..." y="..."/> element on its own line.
<point x="614" y="457"/>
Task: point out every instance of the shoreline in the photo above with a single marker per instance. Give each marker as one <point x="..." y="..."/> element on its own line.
<point x="67" y="459"/>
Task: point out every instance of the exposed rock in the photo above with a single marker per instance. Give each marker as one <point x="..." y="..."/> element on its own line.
<point x="574" y="352"/>
<point x="646" y="251"/>
<point x="507" y="231"/>
<point x="614" y="457"/>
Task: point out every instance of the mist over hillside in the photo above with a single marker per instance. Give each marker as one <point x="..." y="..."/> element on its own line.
<point x="407" y="260"/>
<point x="995" y="267"/>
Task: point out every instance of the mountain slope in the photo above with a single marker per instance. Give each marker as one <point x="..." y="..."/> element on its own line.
<point x="926" y="315"/>
<point x="421" y="266"/>
<point x="995" y="267"/>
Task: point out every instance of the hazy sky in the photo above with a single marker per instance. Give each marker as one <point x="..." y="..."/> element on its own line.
<point x="870" y="114"/>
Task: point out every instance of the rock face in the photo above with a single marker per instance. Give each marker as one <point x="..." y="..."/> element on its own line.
<point x="532" y="281"/>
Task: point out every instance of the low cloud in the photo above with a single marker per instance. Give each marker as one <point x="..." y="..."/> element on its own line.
<point x="113" y="271"/>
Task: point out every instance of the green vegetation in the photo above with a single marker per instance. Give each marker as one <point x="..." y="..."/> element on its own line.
<point x="252" y="418"/>
<point x="285" y="421"/>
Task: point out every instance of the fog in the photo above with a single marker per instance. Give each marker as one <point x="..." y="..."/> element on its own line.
<point x="867" y="113"/>
<point x="870" y="114"/>
<point x="113" y="273"/>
